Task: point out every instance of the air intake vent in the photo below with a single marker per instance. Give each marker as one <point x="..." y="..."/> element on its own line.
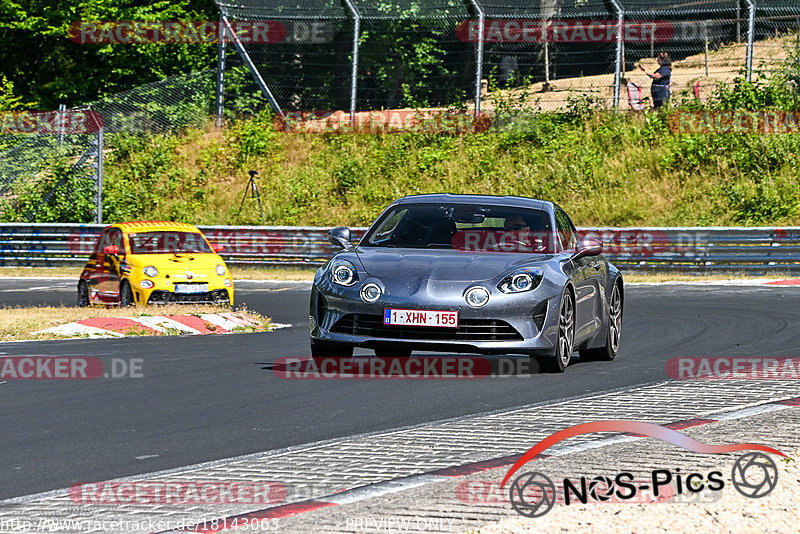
<point x="468" y="329"/>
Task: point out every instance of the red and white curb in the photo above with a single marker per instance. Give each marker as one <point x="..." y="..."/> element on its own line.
<point x="405" y="483"/>
<point x="204" y="323"/>
<point x="789" y="282"/>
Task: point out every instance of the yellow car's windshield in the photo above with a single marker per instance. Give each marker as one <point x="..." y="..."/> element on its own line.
<point x="168" y="243"/>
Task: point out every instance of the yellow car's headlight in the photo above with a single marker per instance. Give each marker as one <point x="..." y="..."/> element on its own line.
<point x="221" y="270"/>
<point x="150" y="271"/>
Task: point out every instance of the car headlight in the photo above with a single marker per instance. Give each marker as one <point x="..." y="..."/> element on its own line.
<point x="370" y="292"/>
<point x="477" y="296"/>
<point x="526" y="279"/>
<point x="220" y="270"/>
<point x="147" y="284"/>
<point x="343" y="273"/>
<point x="150" y="271"/>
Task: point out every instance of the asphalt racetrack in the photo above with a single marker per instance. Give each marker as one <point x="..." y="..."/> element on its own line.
<point x="210" y="397"/>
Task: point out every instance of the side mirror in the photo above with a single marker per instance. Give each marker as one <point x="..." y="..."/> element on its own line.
<point x="216" y="247"/>
<point x="588" y="246"/>
<point x="340" y="237"/>
<point x="111" y="249"/>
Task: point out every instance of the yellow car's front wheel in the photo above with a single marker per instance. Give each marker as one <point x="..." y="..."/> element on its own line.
<point x="125" y="294"/>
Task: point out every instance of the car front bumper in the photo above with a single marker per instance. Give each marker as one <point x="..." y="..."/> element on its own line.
<point x="214" y="296"/>
<point x="523" y="323"/>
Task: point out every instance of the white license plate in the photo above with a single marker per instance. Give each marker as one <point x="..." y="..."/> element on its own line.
<point x="394" y="316"/>
<point x="191" y="288"/>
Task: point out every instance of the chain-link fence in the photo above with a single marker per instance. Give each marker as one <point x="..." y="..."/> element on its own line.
<point x="358" y="55"/>
<point x="51" y="166"/>
<point x="164" y="106"/>
<point x="52" y="172"/>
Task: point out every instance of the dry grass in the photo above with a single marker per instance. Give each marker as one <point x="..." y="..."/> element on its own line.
<point x="41" y="272"/>
<point x="670" y="277"/>
<point x="283" y="274"/>
<point x="239" y="273"/>
<point x="19" y="323"/>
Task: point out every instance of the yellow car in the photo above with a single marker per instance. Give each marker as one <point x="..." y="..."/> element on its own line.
<point x="154" y="262"/>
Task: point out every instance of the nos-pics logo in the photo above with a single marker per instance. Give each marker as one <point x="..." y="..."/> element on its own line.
<point x="533" y="494"/>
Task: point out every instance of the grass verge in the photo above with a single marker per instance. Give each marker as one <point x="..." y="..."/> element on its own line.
<point x="239" y="273"/>
<point x="20" y="323"/>
<point x="674" y="277"/>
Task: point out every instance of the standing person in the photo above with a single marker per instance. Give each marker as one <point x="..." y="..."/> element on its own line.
<point x="659" y="90"/>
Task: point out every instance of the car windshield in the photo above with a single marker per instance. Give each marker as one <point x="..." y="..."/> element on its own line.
<point x="465" y="227"/>
<point x="168" y="243"/>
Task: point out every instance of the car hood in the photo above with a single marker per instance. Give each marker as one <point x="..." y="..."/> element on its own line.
<point x="176" y="262"/>
<point x="441" y="265"/>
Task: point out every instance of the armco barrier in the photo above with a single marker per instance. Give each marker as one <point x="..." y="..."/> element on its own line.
<point x="696" y="250"/>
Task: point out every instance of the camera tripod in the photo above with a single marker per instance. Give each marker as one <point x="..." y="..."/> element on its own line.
<point x="251" y="186"/>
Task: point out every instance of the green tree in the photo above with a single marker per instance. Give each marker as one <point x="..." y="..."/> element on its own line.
<point x="47" y="68"/>
<point x="8" y="100"/>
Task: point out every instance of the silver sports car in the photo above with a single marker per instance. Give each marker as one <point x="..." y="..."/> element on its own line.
<point x="472" y="274"/>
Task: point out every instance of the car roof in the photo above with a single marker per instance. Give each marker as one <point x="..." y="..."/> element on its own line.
<point x="154" y="226"/>
<point x="448" y="198"/>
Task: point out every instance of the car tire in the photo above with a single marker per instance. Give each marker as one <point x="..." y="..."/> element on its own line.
<point x="321" y="350"/>
<point x="125" y="294"/>
<point x="83" y="295"/>
<point x="613" y="331"/>
<point x="564" y="340"/>
<point x="393" y="351"/>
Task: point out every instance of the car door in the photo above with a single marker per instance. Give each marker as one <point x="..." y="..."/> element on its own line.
<point x="105" y="277"/>
<point x="596" y="273"/>
<point x="94" y="267"/>
<point x="582" y="274"/>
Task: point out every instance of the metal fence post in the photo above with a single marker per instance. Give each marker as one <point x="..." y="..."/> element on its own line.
<point x="62" y="108"/>
<point x="738" y="21"/>
<point x="479" y="58"/>
<point x="354" y="72"/>
<point x="751" y="30"/>
<point x="99" y="166"/>
<point x="705" y="39"/>
<point x="218" y="108"/>
<point x="250" y="65"/>
<point x="545" y="37"/>
<point x="618" y="62"/>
